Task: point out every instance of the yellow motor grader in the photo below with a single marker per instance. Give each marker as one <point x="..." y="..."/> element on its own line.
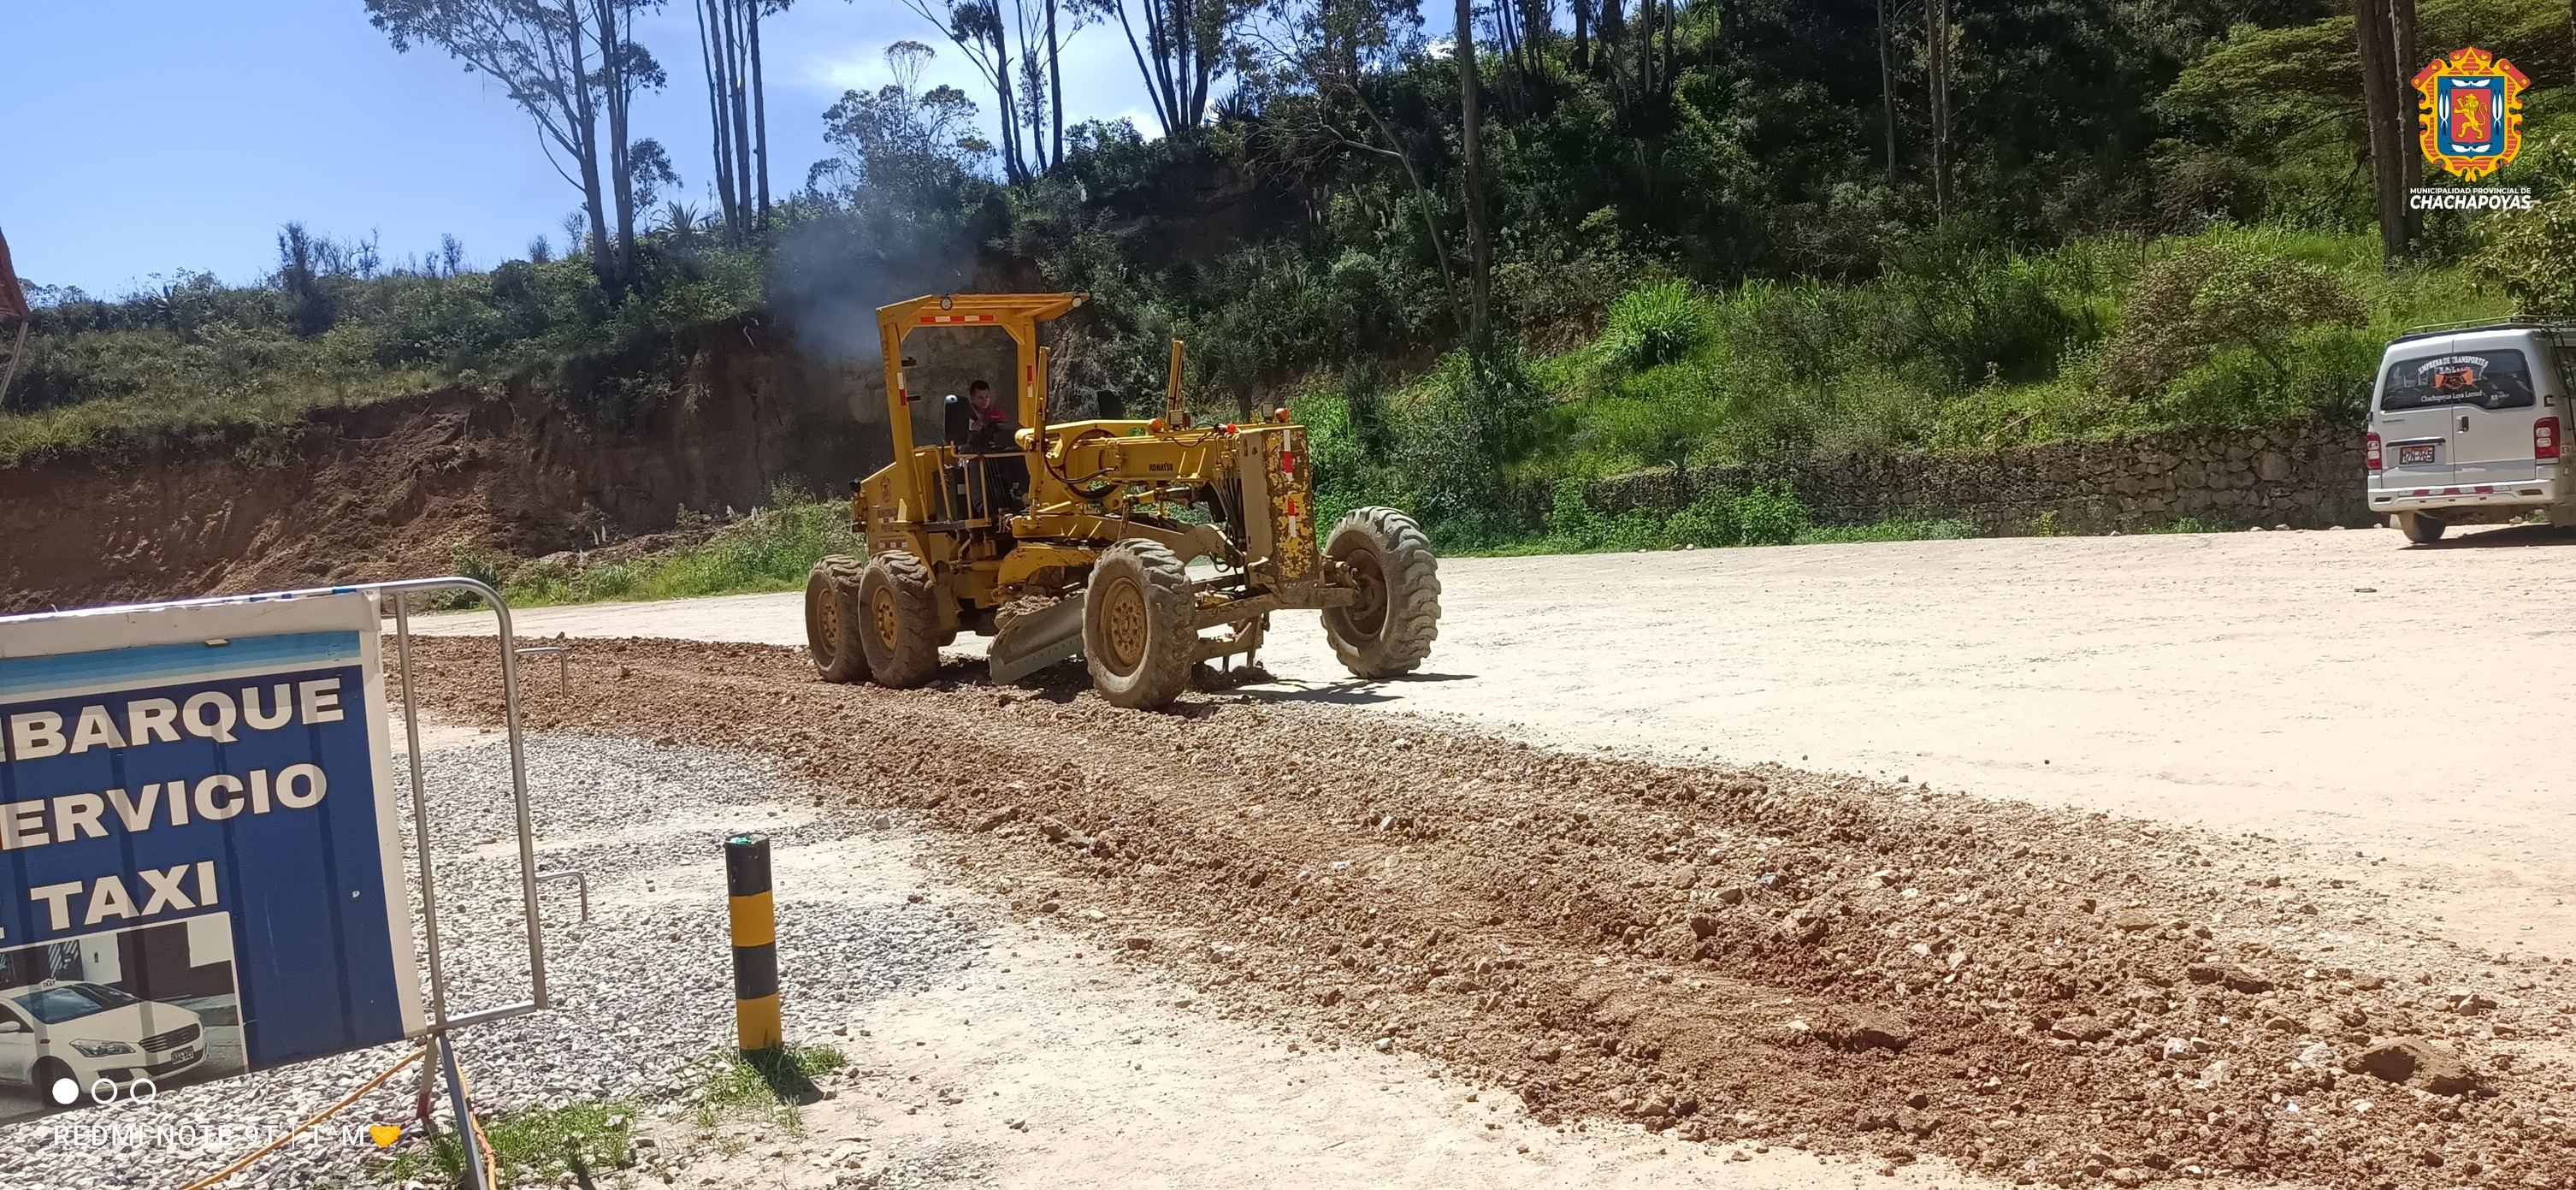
<point x="1077" y="539"/>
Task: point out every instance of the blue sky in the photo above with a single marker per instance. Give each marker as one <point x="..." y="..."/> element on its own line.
<point x="160" y="136"/>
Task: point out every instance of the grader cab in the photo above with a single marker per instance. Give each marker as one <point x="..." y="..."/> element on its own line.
<point x="1078" y="539"/>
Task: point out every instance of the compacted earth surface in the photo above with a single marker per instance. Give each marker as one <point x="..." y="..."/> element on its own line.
<point x="2274" y="682"/>
<point x="1733" y="962"/>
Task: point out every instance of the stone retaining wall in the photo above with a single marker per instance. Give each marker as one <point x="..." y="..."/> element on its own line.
<point x="2305" y="476"/>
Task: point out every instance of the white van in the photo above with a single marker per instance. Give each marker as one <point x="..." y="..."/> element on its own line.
<point x="2465" y="426"/>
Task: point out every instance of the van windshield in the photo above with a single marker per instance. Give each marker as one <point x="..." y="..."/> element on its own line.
<point x="2498" y="379"/>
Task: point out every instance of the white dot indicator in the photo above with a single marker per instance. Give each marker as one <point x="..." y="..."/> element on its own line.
<point x="66" y="1091"/>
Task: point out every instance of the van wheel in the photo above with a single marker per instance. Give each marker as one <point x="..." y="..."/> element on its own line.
<point x="2422" y="528"/>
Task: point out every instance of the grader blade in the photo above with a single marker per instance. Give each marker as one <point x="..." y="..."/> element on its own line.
<point x="1033" y="638"/>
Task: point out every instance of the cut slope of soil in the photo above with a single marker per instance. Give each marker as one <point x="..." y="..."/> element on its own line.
<point x="1725" y="952"/>
<point x="396" y="489"/>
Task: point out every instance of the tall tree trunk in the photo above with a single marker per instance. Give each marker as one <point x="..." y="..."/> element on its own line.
<point x="1583" y="31"/>
<point x="616" y="89"/>
<point x="759" y="115"/>
<point x="1887" y="90"/>
<point x="1032" y="98"/>
<point x="711" y="50"/>
<point x="585" y="131"/>
<point x="1161" y="32"/>
<point x="1472" y="157"/>
<point x="2401" y="28"/>
<point x="1936" y="33"/>
<point x="1669" y="49"/>
<point x="738" y="101"/>
<point x="1646" y="47"/>
<point x="1055" y="86"/>
<point x="1195" y="66"/>
<point x="2376" y="34"/>
<point x="1614" y="24"/>
<point x="1014" y="166"/>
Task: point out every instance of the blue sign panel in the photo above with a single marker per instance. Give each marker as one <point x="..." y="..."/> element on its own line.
<point x="199" y="867"/>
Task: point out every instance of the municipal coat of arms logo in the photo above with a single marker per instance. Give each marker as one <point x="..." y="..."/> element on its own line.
<point x="2471" y="112"/>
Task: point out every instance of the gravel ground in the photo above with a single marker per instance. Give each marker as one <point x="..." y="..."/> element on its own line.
<point x="642" y="990"/>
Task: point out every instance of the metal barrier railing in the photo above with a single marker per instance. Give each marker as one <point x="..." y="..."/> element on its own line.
<point x="563" y="671"/>
<point x="396" y="593"/>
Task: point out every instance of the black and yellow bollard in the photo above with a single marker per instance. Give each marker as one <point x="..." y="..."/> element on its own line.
<point x="755" y="943"/>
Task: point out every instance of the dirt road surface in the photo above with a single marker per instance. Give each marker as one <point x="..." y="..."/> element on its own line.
<point x="1695" y="954"/>
<point x="2335" y="687"/>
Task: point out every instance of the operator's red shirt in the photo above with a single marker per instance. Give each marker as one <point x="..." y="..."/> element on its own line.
<point x="988" y="431"/>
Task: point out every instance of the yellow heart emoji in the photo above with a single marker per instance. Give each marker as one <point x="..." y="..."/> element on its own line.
<point x="384" y="1135"/>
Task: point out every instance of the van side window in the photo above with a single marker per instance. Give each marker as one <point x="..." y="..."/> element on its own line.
<point x="2499" y="379"/>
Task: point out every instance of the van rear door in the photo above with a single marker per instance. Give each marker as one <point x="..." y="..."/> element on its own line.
<point x="2491" y="447"/>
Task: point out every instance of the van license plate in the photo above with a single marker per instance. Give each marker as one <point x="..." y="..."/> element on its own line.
<point x="2415" y="456"/>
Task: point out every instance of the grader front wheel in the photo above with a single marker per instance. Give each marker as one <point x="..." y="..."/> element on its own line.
<point x="1388" y="630"/>
<point x="1137" y="629"/>
<point x="899" y="620"/>
<point x="831" y="619"/>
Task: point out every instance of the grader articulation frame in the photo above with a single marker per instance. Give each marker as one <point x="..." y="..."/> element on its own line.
<point x="1094" y="561"/>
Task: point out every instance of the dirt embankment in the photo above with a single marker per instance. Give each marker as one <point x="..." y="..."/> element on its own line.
<point x="394" y="489"/>
<point x="1724" y="953"/>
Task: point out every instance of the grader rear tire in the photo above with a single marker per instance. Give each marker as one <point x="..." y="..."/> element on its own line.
<point x="832" y="619"/>
<point x="1137" y="629"/>
<point x="1390" y="629"/>
<point x="898" y="620"/>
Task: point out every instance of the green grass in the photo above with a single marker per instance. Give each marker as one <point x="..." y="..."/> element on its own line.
<point x="2324" y="371"/>
<point x="195" y="364"/>
<point x="1770" y="514"/>
<point x="242" y="391"/>
<point x="768" y="551"/>
<point x="540" y="1145"/>
<point x="762" y="1087"/>
<point x="2202" y="524"/>
<point x="1891" y="529"/>
<point x="1979" y="351"/>
<point x="533" y="1147"/>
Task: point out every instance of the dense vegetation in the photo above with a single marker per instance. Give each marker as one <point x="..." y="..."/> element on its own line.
<point x="1715" y="232"/>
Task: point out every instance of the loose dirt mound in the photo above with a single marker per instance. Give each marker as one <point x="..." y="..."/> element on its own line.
<point x="1727" y="953"/>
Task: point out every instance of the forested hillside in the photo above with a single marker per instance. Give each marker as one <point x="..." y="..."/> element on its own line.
<point x="1655" y="233"/>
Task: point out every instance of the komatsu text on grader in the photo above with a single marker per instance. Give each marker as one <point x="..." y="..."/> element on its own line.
<point x="1094" y="560"/>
